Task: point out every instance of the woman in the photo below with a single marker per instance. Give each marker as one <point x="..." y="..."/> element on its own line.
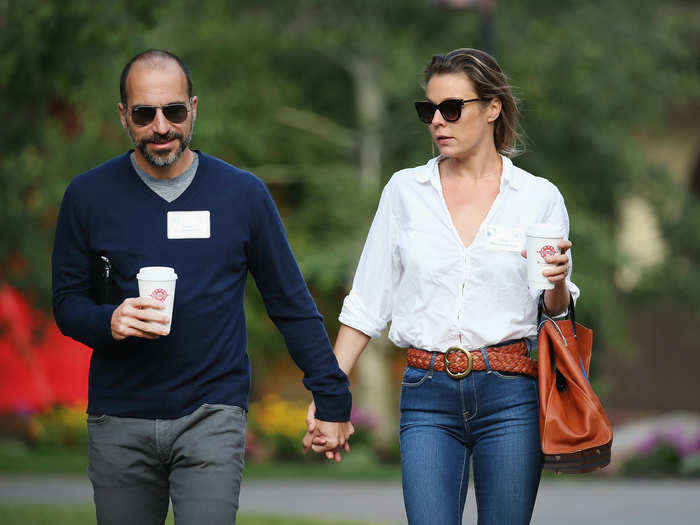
<point x="443" y="263"/>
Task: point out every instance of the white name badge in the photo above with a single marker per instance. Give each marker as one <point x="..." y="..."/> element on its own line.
<point x="188" y="225"/>
<point x="505" y="238"/>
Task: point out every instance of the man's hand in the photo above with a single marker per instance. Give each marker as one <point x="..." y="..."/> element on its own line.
<point x="139" y="317"/>
<point x="326" y="437"/>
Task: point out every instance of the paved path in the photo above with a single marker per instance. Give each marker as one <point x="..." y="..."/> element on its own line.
<point x="560" y="501"/>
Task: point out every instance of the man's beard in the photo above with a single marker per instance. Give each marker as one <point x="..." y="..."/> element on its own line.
<point x="161" y="161"/>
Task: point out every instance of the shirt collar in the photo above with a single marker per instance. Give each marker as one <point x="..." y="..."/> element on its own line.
<point x="510" y="175"/>
<point x="429" y="170"/>
<point x="430" y="173"/>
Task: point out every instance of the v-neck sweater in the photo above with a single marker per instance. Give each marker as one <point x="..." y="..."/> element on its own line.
<point x="168" y="189"/>
<point x="109" y="210"/>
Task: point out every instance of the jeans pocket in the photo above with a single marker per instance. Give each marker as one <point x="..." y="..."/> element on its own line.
<point x="508" y="375"/>
<point x="226" y="408"/>
<point x="96" y="419"/>
<point x="413" y="377"/>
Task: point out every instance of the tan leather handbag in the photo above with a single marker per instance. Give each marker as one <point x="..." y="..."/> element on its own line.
<point x="575" y="431"/>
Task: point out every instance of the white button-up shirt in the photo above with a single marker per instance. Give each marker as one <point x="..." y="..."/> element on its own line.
<point x="416" y="272"/>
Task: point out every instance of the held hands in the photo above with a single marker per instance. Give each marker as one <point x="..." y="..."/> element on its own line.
<point x="325" y="436"/>
<point x="139" y="317"/>
<point x="557" y="274"/>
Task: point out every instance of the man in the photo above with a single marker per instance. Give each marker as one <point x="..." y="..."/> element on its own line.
<point x="167" y="411"/>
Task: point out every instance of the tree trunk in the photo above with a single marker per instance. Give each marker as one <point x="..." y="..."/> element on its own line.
<point x="373" y="390"/>
<point x="369" y="103"/>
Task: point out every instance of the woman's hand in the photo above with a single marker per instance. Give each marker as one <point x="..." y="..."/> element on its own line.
<point x="325" y="436"/>
<point x="556" y="300"/>
<point x="557" y="274"/>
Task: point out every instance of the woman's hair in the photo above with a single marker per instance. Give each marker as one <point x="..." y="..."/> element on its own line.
<point x="490" y="82"/>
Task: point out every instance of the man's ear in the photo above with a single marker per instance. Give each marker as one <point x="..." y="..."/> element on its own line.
<point x="194" y="107"/>
<point x="122" y="114"/>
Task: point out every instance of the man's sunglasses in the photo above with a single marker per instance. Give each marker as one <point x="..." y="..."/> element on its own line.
<point x="175" y="113"/>
<point x="450" y="109"/>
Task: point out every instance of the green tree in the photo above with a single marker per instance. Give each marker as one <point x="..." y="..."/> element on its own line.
<point x="55" y="58"/>
<point x="315" y="96"/>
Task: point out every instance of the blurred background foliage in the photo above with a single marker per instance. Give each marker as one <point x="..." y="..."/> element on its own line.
<point x="315" y="97"/>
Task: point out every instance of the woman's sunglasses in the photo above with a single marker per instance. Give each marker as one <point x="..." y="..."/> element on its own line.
<point x="175" y="113"/>
<point x="450" y="109"/>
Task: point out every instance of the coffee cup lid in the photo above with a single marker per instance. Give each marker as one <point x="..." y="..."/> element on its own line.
<point x="156" y="273"/>
<point x="544" y="230"/>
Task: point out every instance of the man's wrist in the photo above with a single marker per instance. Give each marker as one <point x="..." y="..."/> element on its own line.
<point x="334" y="408"/>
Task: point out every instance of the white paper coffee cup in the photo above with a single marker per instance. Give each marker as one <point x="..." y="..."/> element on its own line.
<point x="541" y="242"/>
<point x="158" y="282"/>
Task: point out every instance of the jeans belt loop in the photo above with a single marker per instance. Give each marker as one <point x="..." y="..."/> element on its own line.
<point x="531" y="344"/>
<point x="484" y="354"/>
<point x="431" y="370"/>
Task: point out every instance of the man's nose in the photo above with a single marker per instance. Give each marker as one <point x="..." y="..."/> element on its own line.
<point x="160" y="123"/>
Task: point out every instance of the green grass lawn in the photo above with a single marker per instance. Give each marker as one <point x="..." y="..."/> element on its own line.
<point x="69" y="514"/>
<point x="17" y="458"/>
<point x="358" y="465"/>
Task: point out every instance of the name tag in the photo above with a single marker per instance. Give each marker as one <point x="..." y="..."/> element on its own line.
<point x="505" y="238"/>
<point x="188" y="225"/>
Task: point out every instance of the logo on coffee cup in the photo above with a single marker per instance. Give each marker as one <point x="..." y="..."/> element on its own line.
<point x="159" y="295"/>
<point x="547" y="250"/>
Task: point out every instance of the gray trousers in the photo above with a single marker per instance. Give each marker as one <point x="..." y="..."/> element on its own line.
<point x="138" y="465"/>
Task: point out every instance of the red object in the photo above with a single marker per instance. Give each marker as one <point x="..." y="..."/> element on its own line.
<point x="547" y="250"/>
<point x="39" y="367"/>
<point x="159" y="294"/>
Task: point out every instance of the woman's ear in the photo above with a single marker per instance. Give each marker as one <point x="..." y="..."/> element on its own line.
<point x="493" y="110"/>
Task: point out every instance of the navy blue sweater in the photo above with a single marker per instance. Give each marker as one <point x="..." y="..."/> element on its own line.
<point x="203" y="360"/>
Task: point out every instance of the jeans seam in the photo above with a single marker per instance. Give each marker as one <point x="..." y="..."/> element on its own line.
<point x="459" y="492"/>
<point x="476" y="401"/>
<point x="465" y="420"/>
<point x="160" y="446"/>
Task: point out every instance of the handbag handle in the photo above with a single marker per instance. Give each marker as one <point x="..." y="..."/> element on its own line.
<point x="543" y="312"/>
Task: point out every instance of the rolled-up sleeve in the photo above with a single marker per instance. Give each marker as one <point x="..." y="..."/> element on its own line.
<point x="368" y="306"/>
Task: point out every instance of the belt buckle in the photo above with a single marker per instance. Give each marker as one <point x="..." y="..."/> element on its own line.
<point x="470" y="363"/>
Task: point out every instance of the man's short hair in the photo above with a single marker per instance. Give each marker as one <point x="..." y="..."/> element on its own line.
<point x="153" y="55"/>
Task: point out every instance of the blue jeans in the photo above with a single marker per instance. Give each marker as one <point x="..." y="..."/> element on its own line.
<point x="488" y="416"/>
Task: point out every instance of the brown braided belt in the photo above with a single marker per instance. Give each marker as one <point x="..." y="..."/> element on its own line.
<point x="460" y="362"/>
